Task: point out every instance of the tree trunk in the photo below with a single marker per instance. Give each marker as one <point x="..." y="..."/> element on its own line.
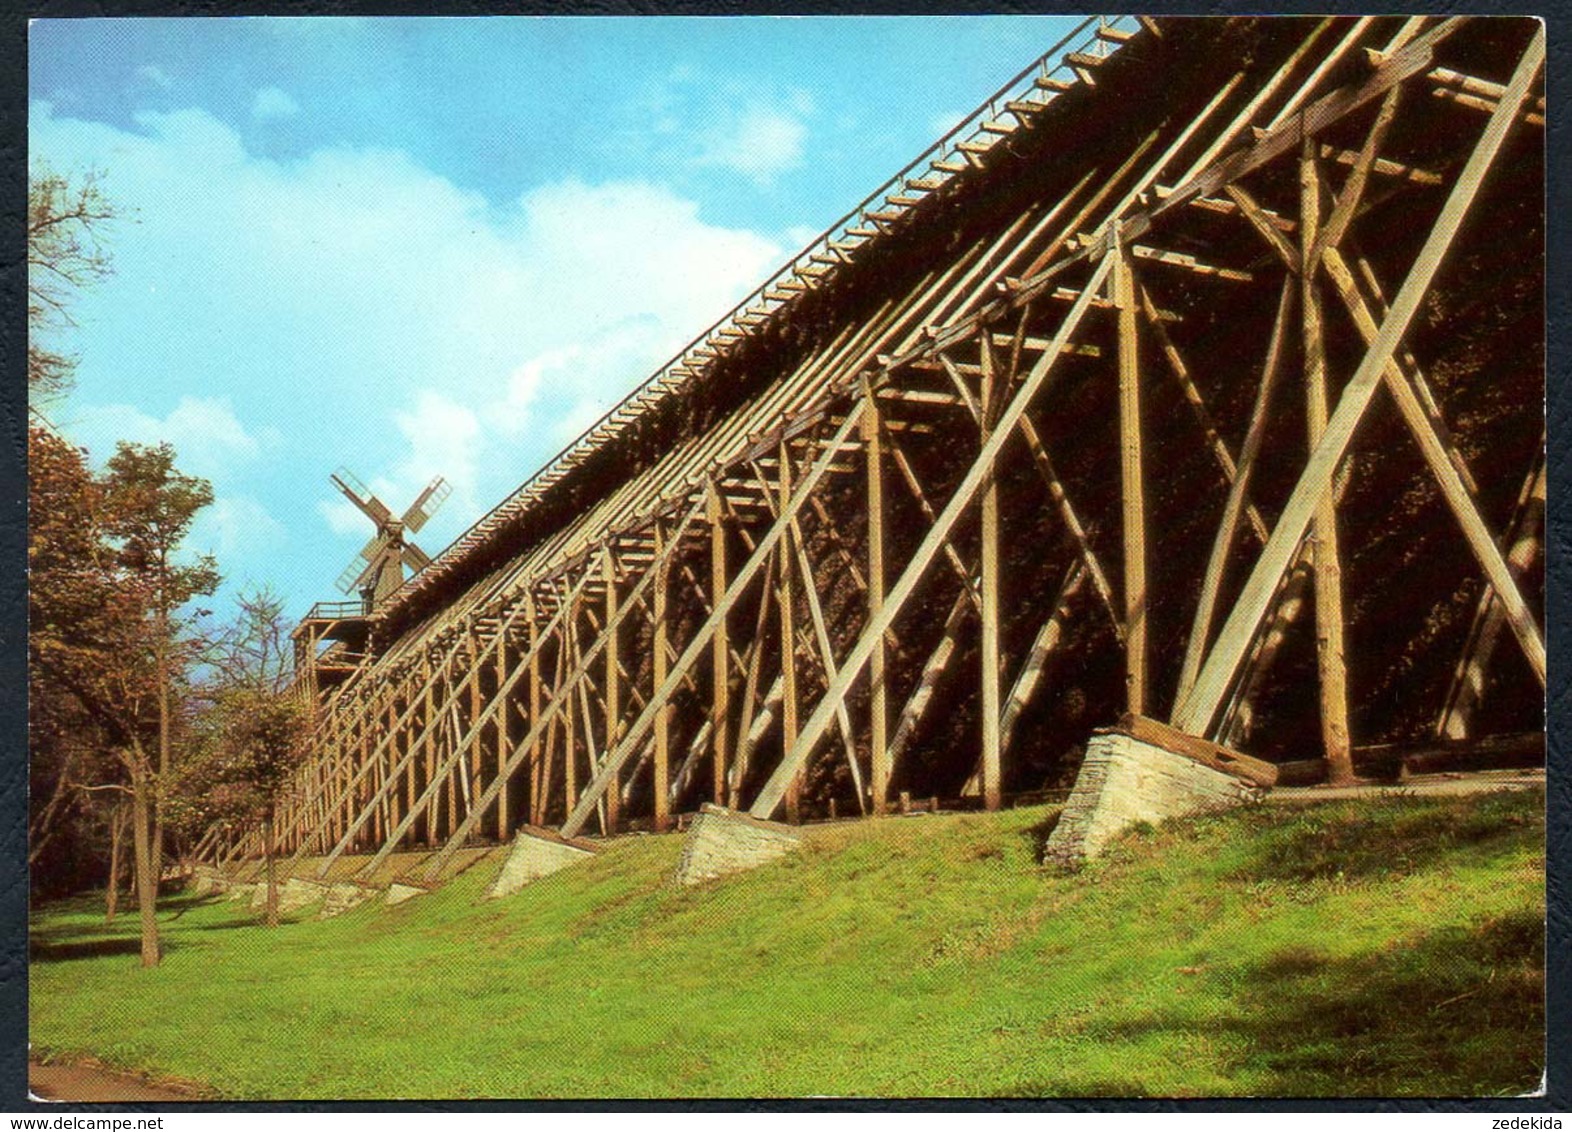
<point x="146" y="878"/>
<point x="163" y="735"/>
<point x="272" y="877"/>
<point x="117" y="829"/>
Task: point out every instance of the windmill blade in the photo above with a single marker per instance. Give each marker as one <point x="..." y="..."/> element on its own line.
<point x="354" y="574"/>
<point x="415" y="558"/>
<point x="358" y="494"/>
<point x="427" y="504"/>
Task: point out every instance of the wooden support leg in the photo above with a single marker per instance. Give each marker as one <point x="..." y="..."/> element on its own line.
<point x="990" y="659"/>
<point x="788" y="646"/>
<point x="877" y="693"/>
<point x="720" y="648"/>
<point x="1134" y="508"/>
<point x="613" y="696"/>
<point x="662" y="774"/>
<point x="1326" y="555"/>
<point x="503" y="728"/>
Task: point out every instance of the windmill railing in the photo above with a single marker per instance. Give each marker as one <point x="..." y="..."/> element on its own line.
<point x="1092" y="39"/>
<point x="337" y="610"/>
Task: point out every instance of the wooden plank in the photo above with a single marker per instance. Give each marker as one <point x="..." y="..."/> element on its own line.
<point x="922" y="558"/>
<point x="1218" y="757"/>
<point x="1197" y="711"/>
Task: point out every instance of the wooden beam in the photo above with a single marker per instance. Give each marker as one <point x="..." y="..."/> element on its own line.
<point x="661" y="785"/>
<point x="989" y="559"/>
<point x="1233" y="507"/>
<point x="1197" y="712"/>
<point x="720" y="647"/>
<point x="788" y="630"/>
<point x="1326" y="556"/>
<point x="1043" y="646"/>
<point x="1450" y="471"/>
<point x="878" y="705"/>
<point x="613" y="695"/>
<point x="1131" y="478"/>
<point x="1468" y="679"/>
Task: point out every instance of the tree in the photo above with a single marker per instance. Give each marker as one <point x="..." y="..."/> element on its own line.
<point x="66" y="252"/>
<point x="261" y="739"/>
<point x="151" y="507"/>
<point x="105" y="635"/>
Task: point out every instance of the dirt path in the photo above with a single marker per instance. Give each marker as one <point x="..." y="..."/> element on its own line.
<point x="94" y="1084"/>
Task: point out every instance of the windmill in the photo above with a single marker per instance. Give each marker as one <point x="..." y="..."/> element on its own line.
<point x="379" y="568"/>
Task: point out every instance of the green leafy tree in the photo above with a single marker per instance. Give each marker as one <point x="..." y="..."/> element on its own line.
<point x="260" y="740"/>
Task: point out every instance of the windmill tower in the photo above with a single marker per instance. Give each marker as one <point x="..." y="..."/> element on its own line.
<point x="379" y="568"/>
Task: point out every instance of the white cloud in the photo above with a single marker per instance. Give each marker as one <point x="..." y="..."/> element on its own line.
<point x="271" y="104"/>
<point x="236" y="526"/>
<point x="156" y="75"/>
<point x="760" y="141"/>
<point x="376" y="314"/>
<point x="208" y="438"/>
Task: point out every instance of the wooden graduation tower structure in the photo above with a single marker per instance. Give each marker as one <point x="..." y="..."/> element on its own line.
<point x="1197" y="375"/>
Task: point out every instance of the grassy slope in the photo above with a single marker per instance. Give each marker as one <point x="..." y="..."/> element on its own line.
<point x="1389" y="948"/>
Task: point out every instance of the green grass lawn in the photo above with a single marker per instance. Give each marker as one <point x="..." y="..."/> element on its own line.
<point x="1386" y="947"/>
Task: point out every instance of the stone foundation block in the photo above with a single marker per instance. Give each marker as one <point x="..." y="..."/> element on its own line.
<point x="1124" y="781"/>
<point x="398" y="893"/>
<point x="721" y="842"/>
<point x="343" y="896"/>
<point x="537" y="853"/>
<point x="207" y="881"/>
<point x="293" y="895"/>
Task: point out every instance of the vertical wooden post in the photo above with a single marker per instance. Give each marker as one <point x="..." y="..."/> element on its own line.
<point x="989" y="561"/>
<point x="503" y="728"/>
<point x="613" y="696"/>
<point x="567" y="649"/>
<point x="1134" y="511"/>
<point x="720" y="647"/>
<point x="477" y="704"/>
<point x="662" y="773"/>
<point x="788" y="643"/>
<point x="879" y="747"/>
<point x="537" y="799"/>
<point x="1326" y="557"/>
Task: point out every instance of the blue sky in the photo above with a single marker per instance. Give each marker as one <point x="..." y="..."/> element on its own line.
<point x="423" y="246"/>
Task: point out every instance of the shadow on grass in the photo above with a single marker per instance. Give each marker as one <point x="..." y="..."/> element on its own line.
<point x="1037" y="837"/>
<point x="45" y="951"/>
<point x="1458" y="1012"/>
<point x="1371" y="841"/>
